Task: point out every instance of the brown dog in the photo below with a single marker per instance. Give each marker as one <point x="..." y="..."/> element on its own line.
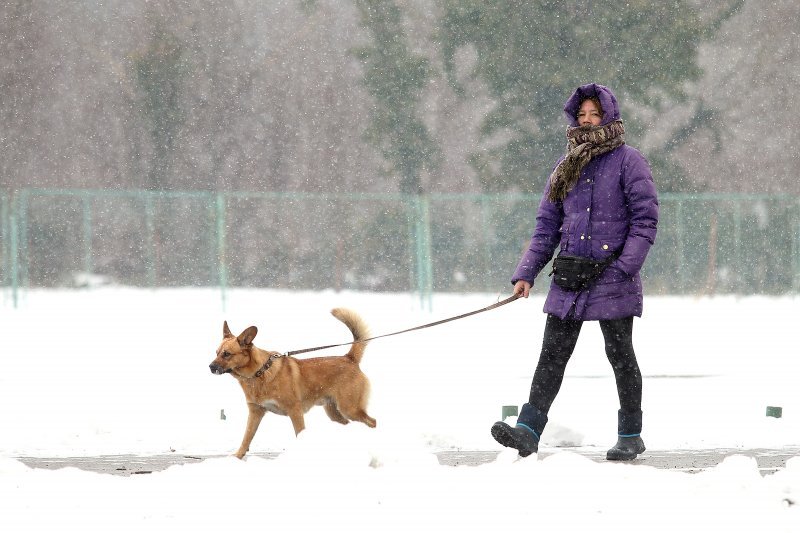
<point x="289" y="386"/>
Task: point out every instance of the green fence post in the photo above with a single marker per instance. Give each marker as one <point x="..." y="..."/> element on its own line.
<point x="796" y="247"/>
<point x="422" y="247"/>
<point x="88" y="265"/>
<point x="222" y="266"/>
<point x="22" y="242"/>
<point x="4" y="222"/>
<point x="150" y="227"/>
<point x="486" y="216"/>
<point x="410" y="208"/>
<point x="427" y="256"/>
<point x="680" y="256"/>
<point x="14" y="254"/>
<point x="737" y="238"/>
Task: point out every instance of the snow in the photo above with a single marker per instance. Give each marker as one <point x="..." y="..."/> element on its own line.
<point x="125" y="371"/>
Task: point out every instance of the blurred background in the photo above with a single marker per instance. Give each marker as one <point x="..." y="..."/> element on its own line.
<point x="382" y="145"/>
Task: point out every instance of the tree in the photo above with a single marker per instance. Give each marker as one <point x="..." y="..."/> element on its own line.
<point x="394" y="78"/>
<point x="532" y="54"/>
<point x="741" y="134"/>
<point x="23" y="82"/>
<point x="159" y="74"/>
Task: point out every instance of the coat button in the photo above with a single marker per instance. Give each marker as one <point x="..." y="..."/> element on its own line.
<point x="588" y="208"/>
<point x="582" y="237"/>
<point x="605" y="247"/>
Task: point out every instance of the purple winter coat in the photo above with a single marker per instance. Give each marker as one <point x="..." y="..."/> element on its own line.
<point x="614" y="205"/>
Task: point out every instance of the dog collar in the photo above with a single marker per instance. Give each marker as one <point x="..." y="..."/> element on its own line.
<point x="265" y="366"/>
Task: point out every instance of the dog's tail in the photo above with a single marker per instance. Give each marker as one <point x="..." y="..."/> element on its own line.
<point x="357" y="327"/>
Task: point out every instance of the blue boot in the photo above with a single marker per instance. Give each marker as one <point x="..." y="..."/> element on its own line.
<point x="629" y="441"/>
<point x="525" y="436"/>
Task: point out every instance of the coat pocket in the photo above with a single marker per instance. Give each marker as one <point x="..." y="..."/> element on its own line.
<point x="564" y="229"/>
<point x="614" y="275"/>
<point x="603" y="246"/>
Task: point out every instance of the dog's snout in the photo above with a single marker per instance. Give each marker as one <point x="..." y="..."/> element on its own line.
<point x="218" y="369"/>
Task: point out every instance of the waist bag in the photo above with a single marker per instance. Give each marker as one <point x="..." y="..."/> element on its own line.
<point x="575" y="273"/>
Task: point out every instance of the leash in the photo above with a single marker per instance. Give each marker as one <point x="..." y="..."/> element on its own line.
<point x="431" y="324"/>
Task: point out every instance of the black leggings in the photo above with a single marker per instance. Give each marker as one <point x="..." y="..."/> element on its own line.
<point x="560" y="337"/>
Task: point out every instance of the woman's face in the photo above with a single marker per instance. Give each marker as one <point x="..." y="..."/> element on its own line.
<point x="588" y="114"/>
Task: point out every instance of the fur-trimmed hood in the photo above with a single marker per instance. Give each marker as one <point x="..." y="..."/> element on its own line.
<point x="607" y="100"/>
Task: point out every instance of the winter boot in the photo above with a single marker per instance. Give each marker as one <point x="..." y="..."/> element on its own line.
<point x="525" y="436"/>
<point x="629" y="442"/>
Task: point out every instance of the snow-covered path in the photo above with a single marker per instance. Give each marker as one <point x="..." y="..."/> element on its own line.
<point x="125" y="372"/>
<point x="690" y="461"/>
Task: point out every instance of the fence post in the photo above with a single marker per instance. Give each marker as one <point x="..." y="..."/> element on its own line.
<point x="4" y="223"/>
<point x="222" y="266"/>
<point x="796" y="248"/>
<point x="14" y="253"/>
<point x="737" y="240"/>
<point x="150" y="225"/>
<point x="680" y="256"/>
<point x="88" y="265"/>
<point x="422" y="248"/>
<point x="22" y="242"/>
<point x="486" y="216"/>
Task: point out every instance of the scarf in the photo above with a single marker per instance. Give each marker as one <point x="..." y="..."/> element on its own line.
<point x="584" y="143"/>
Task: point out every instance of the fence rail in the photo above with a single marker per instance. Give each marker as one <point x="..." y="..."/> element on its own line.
<point x="707" y="243"/>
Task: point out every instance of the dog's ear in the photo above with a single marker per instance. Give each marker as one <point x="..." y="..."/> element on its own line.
<point x="226" y="331"/>
<point x="246" y="337"/>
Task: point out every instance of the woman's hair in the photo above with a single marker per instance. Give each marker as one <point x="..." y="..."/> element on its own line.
<point x="596" y="101"/>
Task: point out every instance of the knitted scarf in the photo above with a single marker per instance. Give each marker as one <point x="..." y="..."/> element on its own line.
<point x="584" y="143"/>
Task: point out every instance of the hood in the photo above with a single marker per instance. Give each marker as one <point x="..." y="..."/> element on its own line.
<point x="603" y="93"/>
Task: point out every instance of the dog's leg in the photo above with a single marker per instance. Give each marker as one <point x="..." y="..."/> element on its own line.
<point x="298" y="421"/>
<point x="359" y="414"/>
<point x="253" y="420"/>
<point x="354" y="405"/>
<point x="334" y="414"/>
<point x="362" y="416"/>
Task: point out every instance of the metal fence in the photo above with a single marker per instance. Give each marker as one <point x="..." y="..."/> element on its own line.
<point x="708" y="243"/>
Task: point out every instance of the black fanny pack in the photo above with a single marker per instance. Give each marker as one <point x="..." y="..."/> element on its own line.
<point x="576" y="273"/>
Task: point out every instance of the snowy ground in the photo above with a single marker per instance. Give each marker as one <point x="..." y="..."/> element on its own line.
<point x="118" y="371"/>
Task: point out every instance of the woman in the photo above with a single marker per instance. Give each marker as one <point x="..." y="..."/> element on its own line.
<point x="599" y="200"/>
